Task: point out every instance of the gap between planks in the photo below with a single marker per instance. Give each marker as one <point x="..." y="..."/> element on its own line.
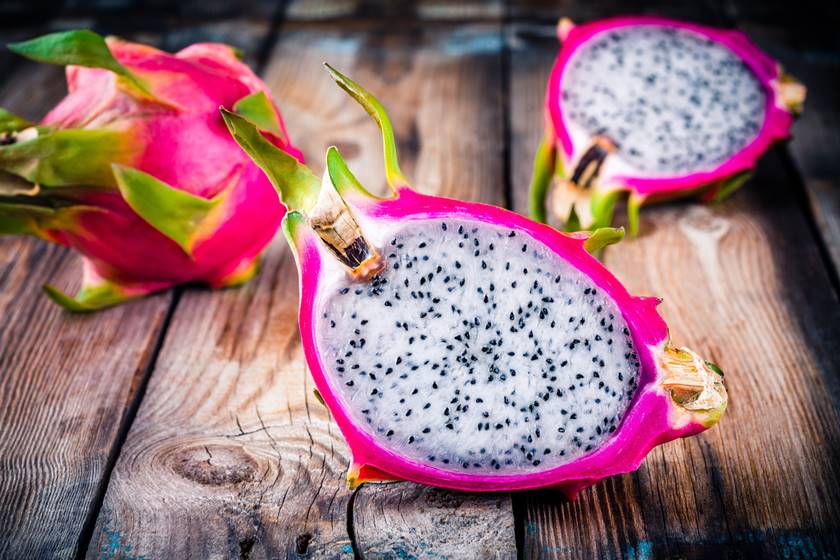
<point x="258" y="64"/>
<point x="702" y="496"/>
<point x="244" y="460"/>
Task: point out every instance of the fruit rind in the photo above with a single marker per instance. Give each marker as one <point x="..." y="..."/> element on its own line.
<point x="184" y="218"/>
<point x="652" y="418"/>
<point x="785" y="97"/>
<point x="135" y="170"/>
<point x="648" y="423"/>
<point x="98" y="293"/>
<point x="694" y="385"/>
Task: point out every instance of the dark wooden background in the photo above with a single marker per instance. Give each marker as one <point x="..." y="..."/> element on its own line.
<point x="184" y="425"/>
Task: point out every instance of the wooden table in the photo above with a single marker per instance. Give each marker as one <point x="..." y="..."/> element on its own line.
<point x="184" y="425"/>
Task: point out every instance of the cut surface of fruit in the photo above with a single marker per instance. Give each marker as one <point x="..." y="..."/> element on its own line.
<point x="500" y="357"/>
<point x="685" y="103"/>
<point x="461" y="345"/>
<point x="657" y="108"/>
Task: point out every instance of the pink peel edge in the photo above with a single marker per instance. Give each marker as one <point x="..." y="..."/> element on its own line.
<point x="776" y="124"/>
<point x="650" y="418"/>
<point x="118" y="243"/>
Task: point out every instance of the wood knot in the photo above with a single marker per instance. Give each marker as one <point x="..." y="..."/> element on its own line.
<point x="245" y="547"/>
<point x="699" y="221"/>
<point x="214" y="465"/>
<point x="302" y="543"/>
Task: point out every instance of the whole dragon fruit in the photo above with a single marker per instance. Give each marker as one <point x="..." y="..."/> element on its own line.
<point x="135" y="169"/>
<point x="657" y="108"/>
<point x="464" y="346"/>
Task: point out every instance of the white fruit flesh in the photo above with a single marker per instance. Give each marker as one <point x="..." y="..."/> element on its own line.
<point x="673" y="101"/>
<point x="477" y="349"/>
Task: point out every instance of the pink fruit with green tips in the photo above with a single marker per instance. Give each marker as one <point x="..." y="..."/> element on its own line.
<point x="135" y="169"/>
<point x="464" y="346"/>
<point x="658" y="109"/>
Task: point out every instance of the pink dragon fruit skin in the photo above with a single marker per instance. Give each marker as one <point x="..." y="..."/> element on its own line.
<point x="654" y="417"/>
<point x="561" y="156"/>
<point x="173" y="135"/>
<point x="677" y="394"/>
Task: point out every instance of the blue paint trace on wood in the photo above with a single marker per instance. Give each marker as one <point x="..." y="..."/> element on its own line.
<point x="116" y="549"/>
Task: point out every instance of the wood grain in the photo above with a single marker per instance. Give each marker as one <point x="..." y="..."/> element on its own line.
<point x="66" y="380"/>
<point x="549" y="11"/>
<point x="399" y="13"/>
<point x="230" y="454"/>
<point x="743" y="284"/>
<point x="813" y="57"/>
<point x="403" y="520"/>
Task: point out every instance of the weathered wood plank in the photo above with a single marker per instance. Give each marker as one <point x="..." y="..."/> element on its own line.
<point x="249" y="36"/>
<point x="404" y="520"/>
<point x="532" y="51"/>
<point x="813" y="57"/>
<point x="398" y="12"/>
<point x="230" y="453"/>
<point x="552" y="10"/>
<point x="66" y="381"/>
<point x="179" y="13"/>
<point x="744" y="284"/>
<point x="116" y="343"/>
<point x="808" y="17"/>
<point x="534" y="45"/>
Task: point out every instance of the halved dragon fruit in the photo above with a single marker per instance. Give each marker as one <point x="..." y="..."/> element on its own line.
<point x="136" y="170"/>
<point x="657" y="108"/>
<point x="464" y="346"/>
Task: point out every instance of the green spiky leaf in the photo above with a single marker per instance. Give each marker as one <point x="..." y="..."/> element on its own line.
<point x="297" y="185"/>
<point x="601" y="205"/>
<point x="341" y="177"/>
<point x="240" y="275"/>
<point x="294" y="225"/>
<point x="393" y="174"/>
<point x="544" y="167"/>
<point x="634" y="204"/>
<point x="34" y="216"/>
<point x="80" y="47"/>
<point x="9" y="122"/>
<point x="602" y="237"/>
<point x="69" y="157"/>
<point x="179" y="215"/>
<point x="731" y="185"/>
<point x="23" y="219"/>
<point x="714" y="367"/>
<point x="89" y="298"/>
<point x="258" y="109"/>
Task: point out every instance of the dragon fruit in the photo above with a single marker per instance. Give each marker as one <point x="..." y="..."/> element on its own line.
<point x="657" y="108"/>
<point x="135" y="169"/>
<point x="464" y="346"/>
